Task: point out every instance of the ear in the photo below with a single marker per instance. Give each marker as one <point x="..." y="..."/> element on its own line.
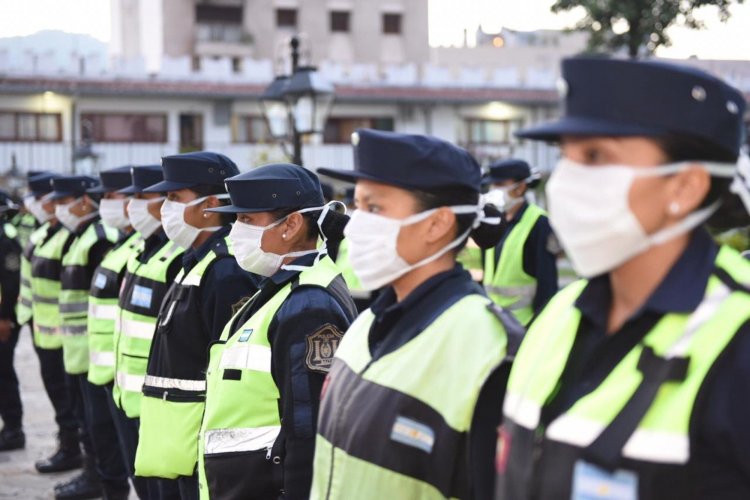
<point x="441" y="224"/>
<point x="519" y="190"/>
<point x="293" y="227"/>
<point x="212" y="202"/>
<point x="687" y="190"/>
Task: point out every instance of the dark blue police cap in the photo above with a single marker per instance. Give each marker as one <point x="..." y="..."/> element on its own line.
<point x="34" y="173"/>
<point x="41" y="184"/>
<point x="112" y="180"/>
<point x="613" y="97"/>
<point x="409" y="161"/>
<point x="72" y="185"/>
<point x="327" y="191"/>
<point x="192" y="169"/>
<point x="507" y="170"/>
<point x="272" y="187"/>
<point x="142" y="177"/>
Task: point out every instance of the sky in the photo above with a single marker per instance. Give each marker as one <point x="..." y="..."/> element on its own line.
<point x="448" y="19"/>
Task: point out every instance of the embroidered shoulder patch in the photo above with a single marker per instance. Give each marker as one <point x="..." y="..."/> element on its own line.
<point x="321" y="346"/>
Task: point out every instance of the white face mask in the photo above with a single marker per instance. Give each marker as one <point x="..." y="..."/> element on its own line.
<point x="501" y="198"/>
<point x="246" y="241"/>
<point x="112" y="212"/>
<point x="36" y="208"/>
<point x="590" y="213"/>
<point x="373" y="241"/>
<point x="70" y="220"/>
<point x="140" y="218"/>
<point x="173" y="220"/>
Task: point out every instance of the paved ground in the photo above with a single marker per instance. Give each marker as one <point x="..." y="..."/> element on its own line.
<point x="18" y="478"/>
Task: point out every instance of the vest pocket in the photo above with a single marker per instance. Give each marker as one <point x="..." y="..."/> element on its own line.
<point x="246" y="475"/>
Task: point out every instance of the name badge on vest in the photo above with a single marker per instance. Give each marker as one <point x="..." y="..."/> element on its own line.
<point x="100" y="281"/>
<point x="141" y="296"/>
<point x="245" y="336"/>
<point x="594" y="483"/>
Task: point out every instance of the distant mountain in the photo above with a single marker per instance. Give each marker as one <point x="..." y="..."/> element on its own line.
<point x="51" y="50"/>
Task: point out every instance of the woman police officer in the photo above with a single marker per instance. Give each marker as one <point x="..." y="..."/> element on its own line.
<point x="266" y="371"/>
<point x="398" y="416"/>
<point x="633" y="382"/>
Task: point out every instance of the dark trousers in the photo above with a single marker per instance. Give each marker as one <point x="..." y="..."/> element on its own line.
<point x="110" y="462"/>
<point x="76" y="385"/>
<point x="54" y="380"/>
<point x="188" y="487"/>
<point x="11" y="410"/>
<point x="147" y="488"/>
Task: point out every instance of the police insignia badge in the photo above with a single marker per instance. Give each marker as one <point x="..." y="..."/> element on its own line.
<point x="321" y="346"/>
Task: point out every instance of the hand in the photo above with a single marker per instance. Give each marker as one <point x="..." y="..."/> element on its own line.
<point x="6" y="328"/>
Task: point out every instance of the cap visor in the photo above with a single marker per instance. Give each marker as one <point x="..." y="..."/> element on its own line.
<point x="585" y="127"/>
<point x="233" y="209"/>
<point x="164" y="186"/>
<point x="128" y="190"/>
<point x="57" y="195"/>
<point x="99" y="190"/>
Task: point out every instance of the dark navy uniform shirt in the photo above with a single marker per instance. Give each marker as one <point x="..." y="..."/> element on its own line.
<point x="10" y="279"/>
<point x="539" y="259"/>
<point x="720" y="427"/>
<point x="222" y="286"/>
<point x="304" y="313"/>
<point x="396" y="323"/>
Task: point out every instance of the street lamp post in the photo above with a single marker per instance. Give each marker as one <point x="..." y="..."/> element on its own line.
<point x="297" y="105"/>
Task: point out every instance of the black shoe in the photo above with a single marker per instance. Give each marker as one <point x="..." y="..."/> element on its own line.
<point x="81" y="487"/>
<point x="12" y="439"/>
<point x="113" y="494"/>
<point x="67" y="456"/>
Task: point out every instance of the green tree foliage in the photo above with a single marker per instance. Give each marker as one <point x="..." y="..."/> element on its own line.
<point x="637" y="25"/>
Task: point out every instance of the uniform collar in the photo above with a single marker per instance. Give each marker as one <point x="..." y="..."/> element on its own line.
<point x="520" y="212"/>
<point x="386" y="303"/>
<point x="681" y="291"/>
<point x="284" y="275"/>
<point x="85" y="225"/>
<point x="194" y="255"/>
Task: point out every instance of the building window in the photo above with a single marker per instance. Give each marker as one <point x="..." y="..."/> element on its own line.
<point x="251" y="129"/>
<point x="236" y="65"/>
<point x="122" y="127"/>
<point x="33" y="127"/>
<point x="490" y="131"/>
<point x="339" y="21"/>
<point x="286" y="18"/>
<point x="392" y="24"/>
<point x="219" y="23"/>
<point x="339" y="130"/>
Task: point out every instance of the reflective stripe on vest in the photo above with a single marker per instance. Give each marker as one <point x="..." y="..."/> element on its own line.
<point x="240" y="439"/>
<point x="245" y="348"/>
<point x="400" y="423"/>
<point x="24" y="305"/>
<point x="658" y="449"/>
<point x="75" y="282"/>
<point x="45" y="271"/>
<point x="135" y="321"/>
<point x="102" y="308"/>
<point x="508" y="284"/>
<point x="131" y="383"/>
<point x="168" y="450"/>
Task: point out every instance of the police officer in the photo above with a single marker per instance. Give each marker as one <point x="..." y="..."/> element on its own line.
<point x="520" y="272"/>
<point x="196" y="308"/>
<point x="266" y="372"/>
<point x="147" y="277"/>
<point x="399" y="414"/>
<point x="50" y="243"/>
<point x="362" y="298"/>
<point x="633" y="381"/>
<point x="11" y="411"/>
<point x="24" y="220"/>
<point x="77" y="207"/>
<point x="102" y="304"/>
